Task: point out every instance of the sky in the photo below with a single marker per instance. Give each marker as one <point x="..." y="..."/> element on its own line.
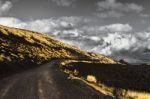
<point x="133" y="12"/>
<point x="116" y="28"/>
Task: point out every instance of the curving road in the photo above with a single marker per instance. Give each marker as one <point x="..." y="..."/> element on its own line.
<point x="45" y="82"/>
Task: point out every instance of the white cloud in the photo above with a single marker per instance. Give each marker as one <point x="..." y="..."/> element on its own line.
<point x="71" y="29"/>
<point x="10" y="21"/>
<point x="116" y="28"/>
<point x="43" y="25"/>
<point x="144" y="15"/>
<point x="117" y="42"/>
<point x="118" y="6"/>
<point x="65" y="3"/>
<point x="148" y="28"/>
<point x="110" y="14"/>
<point x="129" y="46"/>
<point x="112" y="8"/>
<point x="4" y="7"/>
<point x="133" y="8"/>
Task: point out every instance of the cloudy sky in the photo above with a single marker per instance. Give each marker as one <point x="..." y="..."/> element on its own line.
<point x="117" y="28"/>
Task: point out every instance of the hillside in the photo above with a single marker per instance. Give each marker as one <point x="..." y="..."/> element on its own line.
<point x="23" y="49"/>
<point x="23" y="46"/>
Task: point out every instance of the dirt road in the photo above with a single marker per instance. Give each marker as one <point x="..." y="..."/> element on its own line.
<point x="45" y="82"/>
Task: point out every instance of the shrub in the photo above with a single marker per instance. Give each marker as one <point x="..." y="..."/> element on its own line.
<point x="91" y="78"/>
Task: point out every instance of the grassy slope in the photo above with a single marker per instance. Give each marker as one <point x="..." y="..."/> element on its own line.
<point x="21" y="49"/>
<point x="23" y="46"/>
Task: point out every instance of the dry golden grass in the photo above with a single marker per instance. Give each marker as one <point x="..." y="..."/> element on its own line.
<point x="91" y="78"/>
<point x="18" y="45"/>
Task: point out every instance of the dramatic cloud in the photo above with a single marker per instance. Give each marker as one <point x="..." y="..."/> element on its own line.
<point x="112" y="8"/>
<point x="127" y="46"/>
<point x="43" y="25"/>
<point x="4" y="7"/>
<point x="102" y="30"/>
<point x="65" y="3"/>
<point x="107" y="14"/>
<point x="10" y="21"/>
<point x="116" y="41"/>
<point x="145" y="15"/>
<point x="65" y="24"/>
<point x="116" y="28"/>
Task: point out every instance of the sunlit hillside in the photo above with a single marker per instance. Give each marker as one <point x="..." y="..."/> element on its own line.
<point x="23" y="46"/>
